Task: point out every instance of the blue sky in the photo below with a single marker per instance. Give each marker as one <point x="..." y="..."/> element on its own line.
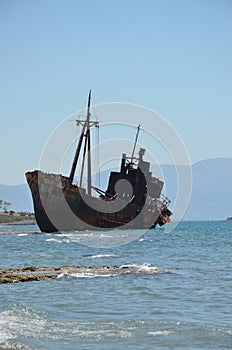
<point x="174" y="57"/>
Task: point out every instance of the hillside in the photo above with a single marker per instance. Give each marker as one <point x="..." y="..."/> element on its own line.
<point x="19" y="196"/>
<point x="211" y="197"/>
<point x="211" y="190"/>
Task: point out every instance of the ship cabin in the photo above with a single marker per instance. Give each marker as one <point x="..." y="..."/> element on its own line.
<point x="134" y="181"/>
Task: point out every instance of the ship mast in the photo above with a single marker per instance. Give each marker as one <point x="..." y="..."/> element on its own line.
<point x="86" y="125"/>
<point x="88" y="142"/>
<point x="135" y="143"/>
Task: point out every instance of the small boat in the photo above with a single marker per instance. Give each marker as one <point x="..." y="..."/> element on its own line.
<point x="133" y="198"/>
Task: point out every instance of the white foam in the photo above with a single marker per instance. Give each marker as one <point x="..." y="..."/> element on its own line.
<point x="23" y="322"/>
<point x="111" y="238"/>
<point x="84" y="275"/>
<point x="13" y="323"/>
<point x="57" y="240"/>
<point x="164" y="332"/>
<point x="147" y="268"/>
<point x="99" y="256"/>
<point x="123" y="269"/>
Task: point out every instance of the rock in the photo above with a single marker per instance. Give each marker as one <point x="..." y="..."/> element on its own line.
<point x="32" y="273"/>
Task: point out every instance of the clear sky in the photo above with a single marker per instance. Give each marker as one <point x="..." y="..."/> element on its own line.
<point x="173" y="56"/>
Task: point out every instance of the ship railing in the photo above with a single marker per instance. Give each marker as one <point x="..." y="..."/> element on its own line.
<point x="165" y="200"/>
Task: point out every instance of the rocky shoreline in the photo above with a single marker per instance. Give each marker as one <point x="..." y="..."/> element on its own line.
<point x="7" y="231"/>
<point x="16" y="223"/>
<point x="32" y="273"/>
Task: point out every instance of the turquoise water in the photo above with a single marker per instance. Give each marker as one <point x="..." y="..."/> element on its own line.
<point x="185" y="304"/>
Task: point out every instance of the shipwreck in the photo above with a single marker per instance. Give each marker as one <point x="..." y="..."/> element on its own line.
<point x="133" y="198"/>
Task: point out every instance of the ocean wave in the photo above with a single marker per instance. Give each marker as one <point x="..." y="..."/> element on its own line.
<point x="33" y="325"/>
<point x="84" y="275"/>
<point x="14" y="346"/>
<point x="28" y="325"/>
<point x="17" y="322"/>
<point x="101" y="239"/>
<point x="55" y="240"/>
<point x="100" y="256"/>
<point x="163" y="332"/>
<point x="145" y="268"/>
<point x="111" y="271"/>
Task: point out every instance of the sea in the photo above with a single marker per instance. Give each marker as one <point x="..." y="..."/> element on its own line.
<point x="176" y="294"/>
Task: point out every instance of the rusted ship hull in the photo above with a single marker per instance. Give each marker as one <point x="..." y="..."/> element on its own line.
<point x="133" y="198"/>
<point x="62" y="206"/>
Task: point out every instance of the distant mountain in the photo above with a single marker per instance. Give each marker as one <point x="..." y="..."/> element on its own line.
<point x="211" y="197"/>
<point x="19" y="196"/>
<point x="212" y="190"/>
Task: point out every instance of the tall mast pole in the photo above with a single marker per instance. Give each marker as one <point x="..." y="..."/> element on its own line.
<point x="136" y="139"/>
<point x="83" y="161"/>
<point x="77" y="154"/>
<point x="89" y="148"/>
<point x="71" y="176"/>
